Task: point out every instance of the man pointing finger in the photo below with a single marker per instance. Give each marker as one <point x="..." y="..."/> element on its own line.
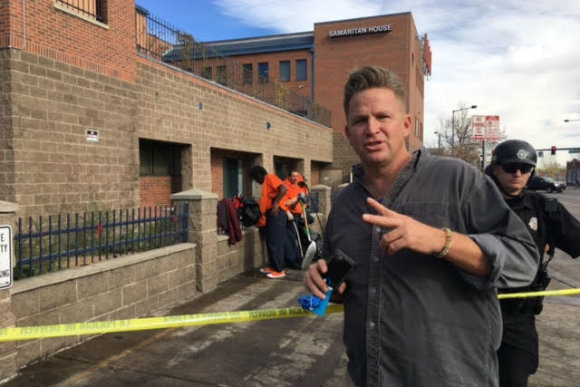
<point x="430" y="243"/>
<point x="405" y="232"/>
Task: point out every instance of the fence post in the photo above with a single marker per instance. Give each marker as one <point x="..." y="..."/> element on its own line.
<point x="203" y="232"/>
<point x="8" y="366"/>
<point x="323" y="193"/>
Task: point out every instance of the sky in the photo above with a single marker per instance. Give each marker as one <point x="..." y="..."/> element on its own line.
<point x="516" y="59"/>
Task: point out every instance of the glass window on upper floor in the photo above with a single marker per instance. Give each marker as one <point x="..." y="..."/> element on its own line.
<point x="285" y="71"/>
<point x="90" y="9"/>
<point x="301" y="70"/>
<point x="263" y="71"/>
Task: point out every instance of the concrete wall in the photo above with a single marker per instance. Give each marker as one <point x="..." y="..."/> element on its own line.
<point x="128" y="287"/>
<point x="51" y="168"/>
<point x="176" y="107"/>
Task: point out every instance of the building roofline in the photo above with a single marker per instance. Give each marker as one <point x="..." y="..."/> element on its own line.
<point x="363" y="18"/>
<point x="259" y="38"/>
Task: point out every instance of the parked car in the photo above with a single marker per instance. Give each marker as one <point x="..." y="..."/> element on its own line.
<point x="546" y="183"/>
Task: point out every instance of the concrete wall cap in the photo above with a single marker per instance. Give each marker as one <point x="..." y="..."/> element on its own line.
<point x="8" y="207"/>
<point x="320" y="187"/>
<point x="193" y="194"/>
<point x="47" y="279"/>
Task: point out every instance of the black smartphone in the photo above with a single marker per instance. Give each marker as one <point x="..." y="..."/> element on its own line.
<point x="339" y="265"/>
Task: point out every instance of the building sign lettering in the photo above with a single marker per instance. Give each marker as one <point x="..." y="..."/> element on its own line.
<point x="360" y="31"/>
<point x="5" y="257"/>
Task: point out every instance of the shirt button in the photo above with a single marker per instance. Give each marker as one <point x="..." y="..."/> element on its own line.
<point x="378" y="229"/>
<point x="376" y="259"/>
<point x="372" y="324"/>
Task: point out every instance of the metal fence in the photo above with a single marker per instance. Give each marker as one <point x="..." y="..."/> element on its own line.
<point x="159" y="40"/>
<point x="62" y="242"/>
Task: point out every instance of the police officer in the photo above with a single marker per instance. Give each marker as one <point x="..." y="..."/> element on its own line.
<point x="551" y="225"/>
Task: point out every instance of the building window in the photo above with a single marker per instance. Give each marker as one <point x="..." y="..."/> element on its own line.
<point x="92" y="9"/>
<point x="159" y="159"/>
<point x="233" y="177"/>
<point x="222" y="75"/>
<point x="301" y="70"/>
<point x="207" y="72"/>
<point x="263" y="70"/>
<point x="283" y="166"/>
<point x="285" y="71"/>
<point x="248" y="75"/>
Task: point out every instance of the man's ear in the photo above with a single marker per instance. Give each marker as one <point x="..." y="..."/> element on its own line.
<point x="347" y="133"/>
<point x="407" y="124"/>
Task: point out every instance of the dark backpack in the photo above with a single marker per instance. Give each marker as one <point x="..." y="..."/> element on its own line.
<point x="249" y="212"/>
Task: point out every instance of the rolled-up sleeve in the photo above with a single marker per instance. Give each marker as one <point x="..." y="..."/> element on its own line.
<point x="503" y="239"/>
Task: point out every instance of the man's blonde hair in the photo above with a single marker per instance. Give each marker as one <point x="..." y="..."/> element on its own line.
<point x="368" y="77"/>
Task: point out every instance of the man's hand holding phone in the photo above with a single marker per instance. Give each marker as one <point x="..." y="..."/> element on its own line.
<point x="324" y="274"/>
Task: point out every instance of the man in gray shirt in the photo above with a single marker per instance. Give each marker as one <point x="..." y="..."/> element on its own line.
<point x="430" y="243"/>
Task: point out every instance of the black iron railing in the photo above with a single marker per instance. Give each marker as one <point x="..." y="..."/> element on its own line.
<point x="159" y="40"/>
<point x="61" y="242"/>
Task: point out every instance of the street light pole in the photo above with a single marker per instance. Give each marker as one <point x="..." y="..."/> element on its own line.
<point x="453" y="125"/>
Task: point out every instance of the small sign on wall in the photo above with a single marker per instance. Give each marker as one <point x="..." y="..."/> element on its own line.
<point x="5" y="257"/>
<point x="92" y="135"/>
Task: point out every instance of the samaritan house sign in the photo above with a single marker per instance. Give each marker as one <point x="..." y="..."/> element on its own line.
<point x="360" y="31"/>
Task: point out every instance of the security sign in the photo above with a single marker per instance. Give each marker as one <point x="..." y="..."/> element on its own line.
<point x="5" y="257"/>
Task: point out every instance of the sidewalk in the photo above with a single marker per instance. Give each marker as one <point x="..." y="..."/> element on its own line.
<point x="303" y="351"/>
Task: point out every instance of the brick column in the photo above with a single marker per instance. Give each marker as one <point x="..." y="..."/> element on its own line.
<point x="203" y="232"/>
<point x="8" y="365"/>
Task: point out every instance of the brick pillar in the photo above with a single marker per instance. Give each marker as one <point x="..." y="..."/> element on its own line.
<point x="203" y="232"/>
<point x="323" y="193"/>
<point x="8" y="367"/>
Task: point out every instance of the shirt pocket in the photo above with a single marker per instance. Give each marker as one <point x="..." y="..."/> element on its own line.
<point x="433" y="213"/>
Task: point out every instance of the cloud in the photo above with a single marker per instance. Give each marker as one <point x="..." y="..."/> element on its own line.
<point x="295" y="16"/>
<point x="518" y="60"/>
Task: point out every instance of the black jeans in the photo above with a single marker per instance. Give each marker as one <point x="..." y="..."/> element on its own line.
<point x="515" y="366"/>
<point x="276" y="239"/>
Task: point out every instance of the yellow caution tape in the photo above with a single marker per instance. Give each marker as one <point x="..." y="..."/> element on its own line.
<point x="141" y="324"/>
<point x="149" y="323"/>
<point x="543" y="293"/>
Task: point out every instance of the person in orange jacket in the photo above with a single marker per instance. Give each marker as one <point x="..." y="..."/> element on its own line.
<point x="273" y="219"/>
<point x="296" y="186"/>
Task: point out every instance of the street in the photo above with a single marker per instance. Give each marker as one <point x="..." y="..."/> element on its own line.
<point x="559" y="324"/>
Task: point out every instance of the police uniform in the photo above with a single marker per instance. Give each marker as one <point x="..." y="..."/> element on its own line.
<point x="550" y="224"/>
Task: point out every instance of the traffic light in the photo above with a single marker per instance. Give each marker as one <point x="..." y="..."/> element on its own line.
<point x="553" y="150"/>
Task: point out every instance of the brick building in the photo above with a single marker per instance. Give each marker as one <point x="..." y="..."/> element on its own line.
<point x="88" y="122"/>
<point x="315" y="65"/>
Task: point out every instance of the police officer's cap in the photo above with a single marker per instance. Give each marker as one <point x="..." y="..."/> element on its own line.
<point x="514" y="151"/>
